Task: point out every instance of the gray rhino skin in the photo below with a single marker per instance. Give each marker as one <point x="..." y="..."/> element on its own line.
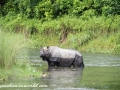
<point x="59" y="57"/>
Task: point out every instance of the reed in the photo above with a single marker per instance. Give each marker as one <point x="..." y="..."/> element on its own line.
<point x="10" y="45"/>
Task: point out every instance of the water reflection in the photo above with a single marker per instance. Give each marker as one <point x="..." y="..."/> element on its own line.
<point x="62" y="77"/>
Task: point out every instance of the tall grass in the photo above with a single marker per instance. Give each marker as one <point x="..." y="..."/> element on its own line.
<point x="10" y="45"/>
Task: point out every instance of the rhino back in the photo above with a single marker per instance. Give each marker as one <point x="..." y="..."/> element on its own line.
<point x="66" y="53"/>
<point x="63" y="53"/>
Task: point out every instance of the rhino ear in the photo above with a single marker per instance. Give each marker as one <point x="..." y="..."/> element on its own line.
<point x="48" y="47"/>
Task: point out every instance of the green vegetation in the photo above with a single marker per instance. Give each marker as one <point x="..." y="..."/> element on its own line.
<point x="11" y="45"/>
<point x="97" y="34"/>
<point x="86" y="25"/>
<point x="47" y="9"/>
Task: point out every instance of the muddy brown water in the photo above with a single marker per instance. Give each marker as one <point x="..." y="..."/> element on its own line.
<point x="101" y="72"/>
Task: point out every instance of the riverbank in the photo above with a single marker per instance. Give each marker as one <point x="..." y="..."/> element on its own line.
<point x="19" y="73"/>
<point x="97" y="34"/>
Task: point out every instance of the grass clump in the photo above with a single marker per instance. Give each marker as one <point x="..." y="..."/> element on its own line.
<point x="11" y="46"/>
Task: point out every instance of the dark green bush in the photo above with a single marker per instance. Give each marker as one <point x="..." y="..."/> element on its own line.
<point x="45" y="9"/>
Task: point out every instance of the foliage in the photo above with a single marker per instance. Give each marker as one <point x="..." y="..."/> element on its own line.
<point x="74" y="23"/>
<point x="46" y="9"/>
<point x="43" y="9"/>
<point x="80" y="33"/>
<point x="10" y="44"/>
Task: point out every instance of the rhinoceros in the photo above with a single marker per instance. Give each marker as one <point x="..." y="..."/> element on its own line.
<point x="56" y="56"/>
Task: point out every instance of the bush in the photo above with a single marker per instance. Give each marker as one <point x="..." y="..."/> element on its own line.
<point x="48" y="9"/>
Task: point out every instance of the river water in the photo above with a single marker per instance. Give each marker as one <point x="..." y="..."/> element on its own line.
<point x="101" y="72"/>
